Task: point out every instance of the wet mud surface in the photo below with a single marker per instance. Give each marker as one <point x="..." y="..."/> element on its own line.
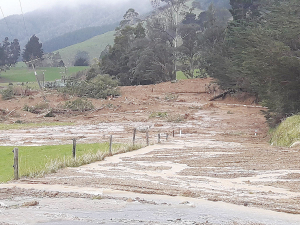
<point x="218" y="169"/>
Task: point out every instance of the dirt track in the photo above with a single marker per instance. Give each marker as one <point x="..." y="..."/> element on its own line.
<point x="222" y="155"/>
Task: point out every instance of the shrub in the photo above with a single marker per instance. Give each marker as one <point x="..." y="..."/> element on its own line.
<point x="99" y="87"/>
<point x="158" y="115"/>
<point x="8" y="93"/>
<point x="80" y="105"/>
<point x="38" y="108"/>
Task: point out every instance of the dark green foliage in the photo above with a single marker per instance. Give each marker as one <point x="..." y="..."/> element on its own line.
<point x="200" y="36"/>
<point x="259" y="55"/>
<point x="33" y="50"/>
<point x="139" y="58"/>
<point x="81" y="59"/>
<point x="9" y="52"/>
<point x="81" y="62"/>
<point x="14" y="52"/>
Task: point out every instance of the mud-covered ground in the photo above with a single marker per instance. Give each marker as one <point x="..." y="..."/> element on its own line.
<point x="218" y="161"/>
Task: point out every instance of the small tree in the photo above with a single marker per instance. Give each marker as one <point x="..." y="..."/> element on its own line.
<point x="33" y="50"/>
<point x="14" y="52"/>
<point x="81" y="59"/>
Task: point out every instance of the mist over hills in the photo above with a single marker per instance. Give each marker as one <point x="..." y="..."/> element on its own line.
<point x="62" y="19"/>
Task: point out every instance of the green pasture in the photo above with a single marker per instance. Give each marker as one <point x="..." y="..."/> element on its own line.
<point x="93" y="46"/>
<point x="24" y="74"/>
<point x="34" y="161"/>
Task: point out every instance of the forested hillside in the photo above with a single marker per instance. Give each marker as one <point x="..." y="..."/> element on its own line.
<point x="77" y="36"/>
<point x="59" y="20"/>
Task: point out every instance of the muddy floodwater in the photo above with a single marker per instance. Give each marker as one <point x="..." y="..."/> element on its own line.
<point x="115" y="207"/>
<point x="218" y="169"/>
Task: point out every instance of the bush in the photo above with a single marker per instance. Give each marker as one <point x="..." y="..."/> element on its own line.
<point x="80" y="105"/>
<point x="99" y="87"/>
<point x="8" y="93"/>
<point x="288" y="132"/>
<point x="38" y="108"/>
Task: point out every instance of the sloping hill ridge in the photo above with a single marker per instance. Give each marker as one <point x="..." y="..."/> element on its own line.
<point x="77" y="36"/>
<point x="93" y="46"/>
<point x="57" y="21"/>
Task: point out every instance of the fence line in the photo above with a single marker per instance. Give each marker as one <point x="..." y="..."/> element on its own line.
<point x="160" y="136"/>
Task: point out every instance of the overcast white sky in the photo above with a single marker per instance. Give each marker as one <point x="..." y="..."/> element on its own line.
<point x="10" y="7"/>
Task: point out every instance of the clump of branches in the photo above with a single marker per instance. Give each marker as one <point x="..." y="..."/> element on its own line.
<point x="100" y="86"/>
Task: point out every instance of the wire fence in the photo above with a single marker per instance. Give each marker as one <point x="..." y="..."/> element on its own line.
<point x="139" y="139"/>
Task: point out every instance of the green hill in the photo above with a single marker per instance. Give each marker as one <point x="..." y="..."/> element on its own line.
<point x="93" y="46"/>
<point x="76" y="37"/>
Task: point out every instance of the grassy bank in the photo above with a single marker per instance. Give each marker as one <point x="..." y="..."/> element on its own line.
<point x="287" y="133"/>
<point x="37" y="161"/>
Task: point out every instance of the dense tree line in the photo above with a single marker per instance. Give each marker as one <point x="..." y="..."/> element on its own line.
<point x="153" y="50"/>
<point x="142" y="52"/>
<point x="259" y="53"/>
<point x="253" y="47"/>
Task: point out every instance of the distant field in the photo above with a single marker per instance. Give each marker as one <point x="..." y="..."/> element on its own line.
<point x="35" y="160"/>
<point x="93" y="46"/>
<point x="24" y="74"/>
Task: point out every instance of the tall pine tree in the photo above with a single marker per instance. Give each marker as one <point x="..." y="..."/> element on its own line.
<point x="33" y="50"/>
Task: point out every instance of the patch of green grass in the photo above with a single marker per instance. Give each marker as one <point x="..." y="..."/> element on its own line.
<point x="24" y="74"/>
<point x="197" y="74"/>
<point x="180" y="75"/>
<point x="287" y="133"/>
<point x="41" y="160"/>
<point x="35" y="160"/>
<point x="20" y="125"/>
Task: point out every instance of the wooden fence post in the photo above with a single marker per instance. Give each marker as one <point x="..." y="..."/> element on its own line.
<point x="16" y="163"/>
<point x="110" y="146"/>
<point x="147" y="137"/>
<point x="74" y="148"/>
<point x="173" y="133"/>
<point x="134" y="133"/>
